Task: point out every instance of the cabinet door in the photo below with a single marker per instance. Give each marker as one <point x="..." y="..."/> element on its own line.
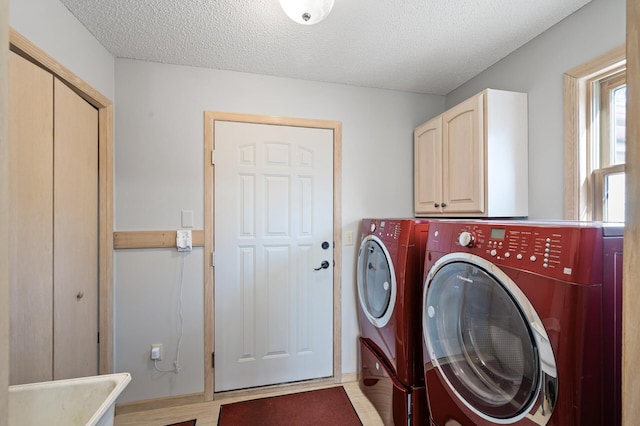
<point x="30" y="226"/>
<point x="427" y="145"/>
<point x="75" y="247"/>
<point x="463" y="177"/>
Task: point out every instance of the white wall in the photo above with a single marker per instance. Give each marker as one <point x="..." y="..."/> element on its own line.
<point x="159" y="172"/>
<point x="537" y="68"/>
<point x="51" y="27"/>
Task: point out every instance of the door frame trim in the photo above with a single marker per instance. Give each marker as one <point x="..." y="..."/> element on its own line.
<point x="210" y="117"/>
<point x="25" y="48"/>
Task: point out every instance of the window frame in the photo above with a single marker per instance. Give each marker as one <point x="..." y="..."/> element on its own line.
<point x="606" y="85"/>
<point x="579" y="182"/>
<point x="599" y="176"/>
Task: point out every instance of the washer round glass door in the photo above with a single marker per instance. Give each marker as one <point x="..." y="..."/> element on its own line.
<point x="486" y="340"/>
<point x="376" y="281"/>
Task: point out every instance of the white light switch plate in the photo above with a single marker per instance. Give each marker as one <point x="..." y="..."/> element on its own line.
<point x="187" y="218"/>
<point x="348" y="238"/>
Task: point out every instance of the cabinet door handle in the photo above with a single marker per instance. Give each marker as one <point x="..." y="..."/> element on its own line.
<point x="436" y="205"/>
<point x="444" y="204"/>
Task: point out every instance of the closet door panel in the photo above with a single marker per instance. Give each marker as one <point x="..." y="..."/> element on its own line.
<point x="30" y="225"/>
<point x="75" y="221"/>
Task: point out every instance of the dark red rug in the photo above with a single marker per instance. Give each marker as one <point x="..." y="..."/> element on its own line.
<point x="324" y="407"/>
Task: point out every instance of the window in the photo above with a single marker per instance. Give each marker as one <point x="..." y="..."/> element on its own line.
<point x="595" y="127"/>
<point x="608" y="101"/>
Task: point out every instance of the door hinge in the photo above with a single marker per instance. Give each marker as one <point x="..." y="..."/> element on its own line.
<point x="213" y="258"/>
<point x="213" y="360"/>
<point x="213" y="156"/>
<point x="98" y="337"/>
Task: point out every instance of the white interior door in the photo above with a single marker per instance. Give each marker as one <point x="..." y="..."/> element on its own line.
<point x="273" y="212"/>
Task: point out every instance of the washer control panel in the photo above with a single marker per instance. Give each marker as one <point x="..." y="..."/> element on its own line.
<point x="389" y="230"/>
<point x="565" y="251"/>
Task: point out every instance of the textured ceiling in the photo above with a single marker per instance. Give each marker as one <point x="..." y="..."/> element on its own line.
<point x="424" y="46"/>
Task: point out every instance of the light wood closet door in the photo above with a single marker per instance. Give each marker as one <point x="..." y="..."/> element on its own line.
<point x="30" y="225"/>
<point x="53" y="170"/>
<point x="75" y="230"/>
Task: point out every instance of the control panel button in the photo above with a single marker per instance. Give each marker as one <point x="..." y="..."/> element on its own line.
<point x="533" y="258"/>
<point x="507" y="254"/>
<point x="466" y="239"/>
<point x="519" y="256"/>
<point x="373" y="227"/>
<point x="493" y="252"/>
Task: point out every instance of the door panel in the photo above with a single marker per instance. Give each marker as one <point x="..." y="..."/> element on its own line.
<point x="75" y="251"/>
<point x="31" y="233"/>
<point x="376" y="280"/>
<point x="428" y="167"/>
<point x="273" y="210"/>
<point x="463" y="156"/>
<point x="487" y="342"/>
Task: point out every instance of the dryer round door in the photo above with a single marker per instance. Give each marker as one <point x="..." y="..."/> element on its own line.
<point x="487" y="342"/>
<point x="376" y="281"/>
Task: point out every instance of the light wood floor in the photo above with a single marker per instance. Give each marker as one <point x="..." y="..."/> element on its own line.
<point x="207" y="412"/>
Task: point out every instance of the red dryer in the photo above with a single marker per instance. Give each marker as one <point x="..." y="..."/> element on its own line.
<point x="521" y="323"/>
<point x="389" y="281"/>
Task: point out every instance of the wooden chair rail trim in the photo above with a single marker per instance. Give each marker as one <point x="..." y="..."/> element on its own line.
<point x="153" y="239"/>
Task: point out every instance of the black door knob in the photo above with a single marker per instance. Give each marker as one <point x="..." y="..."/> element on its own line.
<point x="323" y="265"/>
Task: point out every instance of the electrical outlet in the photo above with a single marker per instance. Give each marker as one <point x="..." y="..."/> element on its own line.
<point x="156" y="352"/>
<point x="183" y="240"/>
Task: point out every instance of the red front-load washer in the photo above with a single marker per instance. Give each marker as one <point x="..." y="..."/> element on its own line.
<point x="521" y="323"/>
<point x="389" y="281"/>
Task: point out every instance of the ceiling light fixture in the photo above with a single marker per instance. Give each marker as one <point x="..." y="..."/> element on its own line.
<point x="307" y="12"/>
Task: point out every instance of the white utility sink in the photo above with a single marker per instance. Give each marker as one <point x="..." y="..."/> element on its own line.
<point x="83" y="401"/>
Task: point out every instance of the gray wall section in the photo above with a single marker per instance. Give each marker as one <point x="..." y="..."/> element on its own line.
<point x="149" y="284"/>
<point x="51" y="27"/>
<point x="159" y="172"/>
<point x="537" y="68"/>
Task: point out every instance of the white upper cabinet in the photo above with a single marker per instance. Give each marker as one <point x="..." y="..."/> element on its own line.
<point x="471" y="161"/>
